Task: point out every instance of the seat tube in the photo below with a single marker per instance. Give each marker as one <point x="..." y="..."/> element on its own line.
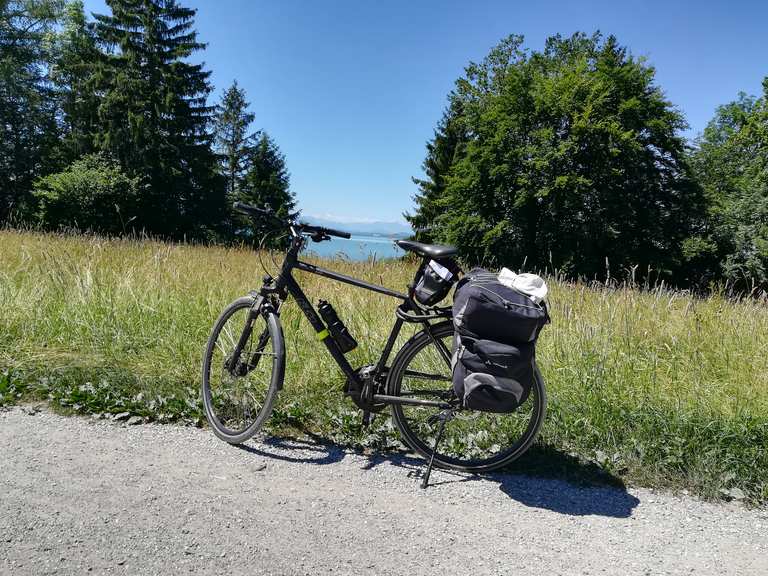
<point x="389" y="345"/>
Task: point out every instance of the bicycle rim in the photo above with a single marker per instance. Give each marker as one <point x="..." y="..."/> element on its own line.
<point x="239" y="389"/>
<point x="473" y="440"/>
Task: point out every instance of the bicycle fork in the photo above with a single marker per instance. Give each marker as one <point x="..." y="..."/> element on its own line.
<point x="235" y="364"/>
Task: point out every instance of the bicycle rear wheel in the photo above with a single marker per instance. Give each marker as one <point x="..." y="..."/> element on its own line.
<point x="472" y="441"/>
<point x="243" y="369"/>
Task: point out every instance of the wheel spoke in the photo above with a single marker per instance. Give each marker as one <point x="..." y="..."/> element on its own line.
<point x="230" y="337"/>
<point x="425" y="376"/>
<point x="220" y="347"/>
<point x="471" y="440"/>
<point x="236" y="400"/>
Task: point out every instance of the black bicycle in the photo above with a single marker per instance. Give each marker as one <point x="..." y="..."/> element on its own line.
<point x="244" y="366"/>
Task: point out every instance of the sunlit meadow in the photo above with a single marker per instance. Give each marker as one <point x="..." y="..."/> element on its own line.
<point x="652" y="386"/>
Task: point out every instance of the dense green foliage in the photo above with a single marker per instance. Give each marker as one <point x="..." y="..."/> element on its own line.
<point x="124" y="86"/>
<point x="153" y="115"/>
<point x="266" y="184"/>
<point x="655" y="386"/>
<point x="28" y="128"/>
<point x="447" y="147"/>
<point x="74" y="73"/>
<point x="93" y="193"/>
<point x="567" y="157"/>
<point x="732" y="165"/>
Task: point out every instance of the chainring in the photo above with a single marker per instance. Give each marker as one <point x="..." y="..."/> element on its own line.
<point x="367" y="376"/>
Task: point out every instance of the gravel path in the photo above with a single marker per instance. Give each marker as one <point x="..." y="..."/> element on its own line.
<point x="83" y="495"/>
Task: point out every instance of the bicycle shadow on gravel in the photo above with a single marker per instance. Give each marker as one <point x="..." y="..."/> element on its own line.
<point x="548" y="478"/>
<point x="544" y="478"/>
<point x="314" y="450"/>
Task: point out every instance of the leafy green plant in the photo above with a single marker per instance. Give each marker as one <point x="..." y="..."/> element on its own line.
<point x="569" y="156"/>
<point x="93" y="193"/>
<point x="11" y="389"/>
<point x="731" y="162"/>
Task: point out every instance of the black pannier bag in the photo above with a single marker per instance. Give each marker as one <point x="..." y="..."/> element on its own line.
<point x="434" y="281"/>
<point x="490" y="376"/>
<point x="485" y="308"/>
<point x="494" y="346"/>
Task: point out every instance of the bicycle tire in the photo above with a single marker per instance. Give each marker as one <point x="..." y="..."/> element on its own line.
<point x="419" y="436"/>
<point x="270" y="326"/>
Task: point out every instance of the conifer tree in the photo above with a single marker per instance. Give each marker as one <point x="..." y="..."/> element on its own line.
<point x="267" y="183"/>
<point x="234" y="144"/>
<point x="28" y="130"/>
<point x="442" y="150"/>
<point x="74" y="73"/>
<point x="154" y="117"/>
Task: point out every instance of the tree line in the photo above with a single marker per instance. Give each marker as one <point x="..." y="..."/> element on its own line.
<point x="106" y="125"/>
<point x="571" y="158"/>
<point x="567" y="158"/>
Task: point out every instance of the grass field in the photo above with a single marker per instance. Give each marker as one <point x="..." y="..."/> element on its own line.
<point x="655" y="387"/>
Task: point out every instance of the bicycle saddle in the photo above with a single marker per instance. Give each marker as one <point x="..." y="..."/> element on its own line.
<point x="436" y="251"/>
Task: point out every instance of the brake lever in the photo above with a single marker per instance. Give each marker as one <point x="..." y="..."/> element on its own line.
<point x="319" y="237"/>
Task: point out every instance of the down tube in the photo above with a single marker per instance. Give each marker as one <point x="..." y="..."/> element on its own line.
<point x="317" y="325"/>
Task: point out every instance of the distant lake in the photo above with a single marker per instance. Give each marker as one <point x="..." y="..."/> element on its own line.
<point x="356" y="248"/>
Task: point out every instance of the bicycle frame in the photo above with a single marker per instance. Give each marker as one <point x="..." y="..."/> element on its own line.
<point x="285" y="284"/>
<point x="403" y="381"/>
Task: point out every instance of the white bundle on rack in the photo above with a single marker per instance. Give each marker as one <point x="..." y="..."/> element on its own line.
<point x="531" y="285"/>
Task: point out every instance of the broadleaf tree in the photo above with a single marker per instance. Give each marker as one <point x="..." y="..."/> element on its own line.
<point x="570" y="157"/>
<point x="92" y="194"/>
<point x="731" y="162"/>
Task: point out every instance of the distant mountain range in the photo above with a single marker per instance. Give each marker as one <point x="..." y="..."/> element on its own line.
<point x="387" y="229"/>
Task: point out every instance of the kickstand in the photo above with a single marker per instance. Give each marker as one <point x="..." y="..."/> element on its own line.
<point x="443" y="417"/>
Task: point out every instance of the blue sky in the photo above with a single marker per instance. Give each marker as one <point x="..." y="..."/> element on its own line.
<point x="352" y="90"/>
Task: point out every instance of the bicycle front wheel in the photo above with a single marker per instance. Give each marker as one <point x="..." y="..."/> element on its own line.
<point x="243" y="369"/>
<point x="472" y="441"/>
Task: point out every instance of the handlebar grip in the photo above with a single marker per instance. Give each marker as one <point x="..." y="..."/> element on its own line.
<point x="339" y="233"/>
<point x="249" y="209"/>
<point x="243" y="208"/>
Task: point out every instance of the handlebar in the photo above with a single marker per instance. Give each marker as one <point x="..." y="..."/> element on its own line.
<point x="324" y="231"/>
<point x="317" y="232"/>
<point x="254" y="211"/>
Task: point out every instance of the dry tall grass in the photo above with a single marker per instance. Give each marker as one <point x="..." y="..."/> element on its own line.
<point x="656" y="386"/>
